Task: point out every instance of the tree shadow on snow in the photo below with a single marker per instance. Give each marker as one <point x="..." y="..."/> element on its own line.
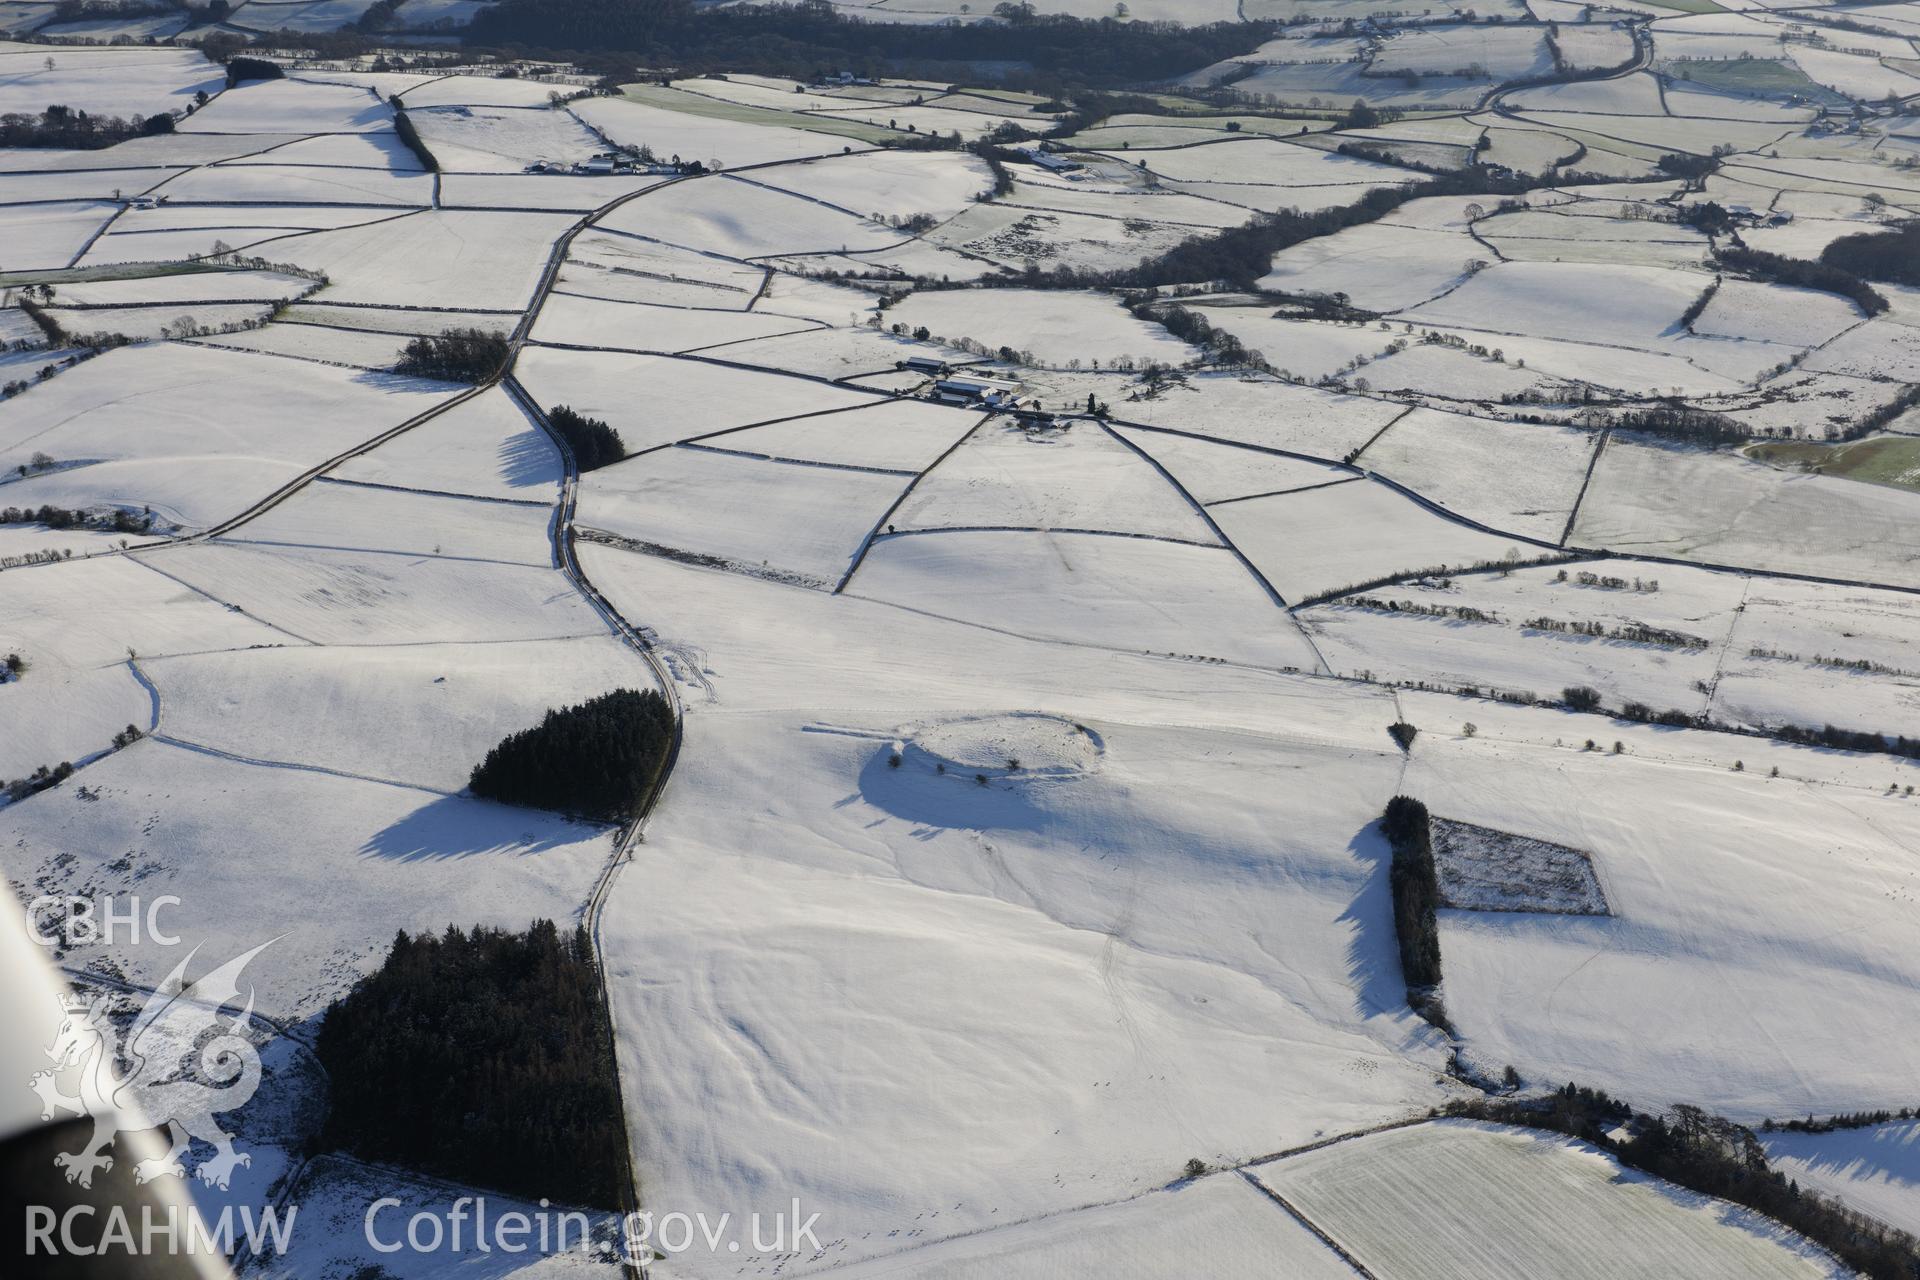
<point x="462" y="826"/>
<point x="1885" y="1152"/>
<point x="1373" y="953"/>
<point x="915" y="793"/>
<point x="527" y="458"/>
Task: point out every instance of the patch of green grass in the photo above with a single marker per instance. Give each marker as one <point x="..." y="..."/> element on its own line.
<point x="109" y="271"/>
<point x="1004" y="95"/>
<point x="1885" y="460"/>
<point x="1751" y="75"/>
<point x="1199" y="128"/>
<point x="1282" y="125"/>
<point x="694" y="104"/>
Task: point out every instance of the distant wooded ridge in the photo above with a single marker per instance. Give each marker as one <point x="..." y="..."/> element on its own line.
<point x="798" y="39"/>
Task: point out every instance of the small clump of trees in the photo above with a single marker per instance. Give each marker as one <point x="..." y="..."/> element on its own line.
<point x="1841" y="739"/>
<point x="481" y="1055"/>
<point x="243" y="68"/>
<point x="457" y="355"/>
<point x="597" y="759"/>
<point x="594" y="443"/>
<point x="1687" y="165"/>
<point x="39" y="780"/>
<point x="1580" y="697"/>
<point x="1834" y="737"/>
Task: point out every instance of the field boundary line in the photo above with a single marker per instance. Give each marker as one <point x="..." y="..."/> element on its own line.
<point x="1593" y="465"/>
<point x="1339" y="1249"/>
<point x="866" y="543"/>
<point x="1245" y="561"/>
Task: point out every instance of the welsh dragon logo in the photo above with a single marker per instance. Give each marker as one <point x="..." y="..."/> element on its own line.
<point x="180" y="1022"/>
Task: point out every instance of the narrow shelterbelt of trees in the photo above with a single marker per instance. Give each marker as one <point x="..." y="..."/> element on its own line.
<point x="1416" y="900"/>
<point x="120" y="520"/>
<point x="403" y="125"/>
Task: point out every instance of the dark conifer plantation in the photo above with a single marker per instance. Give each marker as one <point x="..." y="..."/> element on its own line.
<point x="597" y="759"/>
<point x="593" y="442"/>
<point x="482" y="1056"/>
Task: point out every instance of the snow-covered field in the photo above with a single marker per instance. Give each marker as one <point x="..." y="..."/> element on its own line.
<point x="1754" y="921"/>
<point x="1714" y="508"/>
<point x="1320" y="540"/>
<point x="370" y="858"/>
<point x="1005" y="476"/>
<point x="1221" y="1226"/>
<point x="655" y="400"/>
<point x="111" y="82"/>
<point x="1057" y="328"/>
<point x="191" y="431"/>
<point x="1460" y="1200"/>
<point x="461" y="259"/>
